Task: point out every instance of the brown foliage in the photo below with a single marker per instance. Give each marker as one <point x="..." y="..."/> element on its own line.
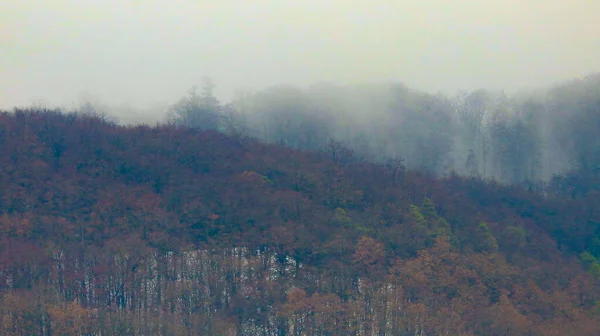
<point x="139" y="230"/>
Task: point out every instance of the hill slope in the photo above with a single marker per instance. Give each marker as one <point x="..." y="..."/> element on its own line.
<point x="139" y="230"/>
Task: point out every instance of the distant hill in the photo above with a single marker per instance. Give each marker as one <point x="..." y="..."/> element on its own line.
<point x="113" y="230"/>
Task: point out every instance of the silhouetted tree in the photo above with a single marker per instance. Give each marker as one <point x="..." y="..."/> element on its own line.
<point x="201" y="111"/>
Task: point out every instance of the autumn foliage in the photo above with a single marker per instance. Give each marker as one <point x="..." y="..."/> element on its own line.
<point x="111" y="230"/>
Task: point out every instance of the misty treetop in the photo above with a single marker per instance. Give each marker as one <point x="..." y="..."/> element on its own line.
<point x="525" y="139"/>
<point x="201" y="111"/>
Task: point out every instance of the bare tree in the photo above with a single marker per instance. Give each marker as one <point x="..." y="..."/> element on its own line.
<point x="340" y="153"/>
<point x="396" y="167"/>
<point x="200" y="111"/>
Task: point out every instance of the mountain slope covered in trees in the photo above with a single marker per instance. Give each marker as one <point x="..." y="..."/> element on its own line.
<point x="523" y="139"/>
<point x="112" y="230"/>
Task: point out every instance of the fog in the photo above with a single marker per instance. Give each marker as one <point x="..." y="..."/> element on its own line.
<point x="145" y="54"/>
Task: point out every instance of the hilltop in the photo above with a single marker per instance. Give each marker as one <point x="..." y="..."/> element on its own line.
<point x="108" y="229"/>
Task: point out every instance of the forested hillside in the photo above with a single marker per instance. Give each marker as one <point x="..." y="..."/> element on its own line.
<point x="168" y="230"/>
<point x="523" y="139"/>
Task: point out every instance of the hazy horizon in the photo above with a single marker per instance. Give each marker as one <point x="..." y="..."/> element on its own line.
<point x="144" y="53"/>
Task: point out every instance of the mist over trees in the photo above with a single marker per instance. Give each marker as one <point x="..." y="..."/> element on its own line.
<point x="327" y="210"/>
<point x="546" y="139"/>
<point x="527" y="139"/>
<point x="138" y="230"/>
<point x="197" y="110"/>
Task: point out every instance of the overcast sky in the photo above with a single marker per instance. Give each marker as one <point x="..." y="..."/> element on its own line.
<point x="144" y="52"/>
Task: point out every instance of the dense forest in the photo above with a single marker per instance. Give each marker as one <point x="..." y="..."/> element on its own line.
<point x="373" y="210"/>
<point x="523" y="139"/>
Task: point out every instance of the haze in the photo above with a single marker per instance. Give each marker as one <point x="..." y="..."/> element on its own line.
<point x="149" y="52"/>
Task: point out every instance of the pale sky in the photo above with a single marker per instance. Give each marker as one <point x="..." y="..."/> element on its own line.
<point x="144" y="52"/>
